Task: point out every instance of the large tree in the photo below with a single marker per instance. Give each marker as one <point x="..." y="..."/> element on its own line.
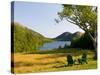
<point x="84" y="17"/>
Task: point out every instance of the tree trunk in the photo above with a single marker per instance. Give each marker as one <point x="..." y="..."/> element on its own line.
<point x="93" y="39"/>
<point x="94" y="44"/>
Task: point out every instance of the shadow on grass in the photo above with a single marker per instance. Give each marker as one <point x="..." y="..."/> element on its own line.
<point x="61" y="66"/>
<point x="19" y="64"/>
<point x="53" y="56"/>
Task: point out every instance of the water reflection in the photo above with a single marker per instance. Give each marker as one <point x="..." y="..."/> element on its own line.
<point x="55" y="44"/>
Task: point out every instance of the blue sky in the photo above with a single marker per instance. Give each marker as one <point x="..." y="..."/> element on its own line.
<point x="40" y="17"/>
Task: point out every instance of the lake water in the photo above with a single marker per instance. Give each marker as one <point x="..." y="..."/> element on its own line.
<point x="55" y="44"/>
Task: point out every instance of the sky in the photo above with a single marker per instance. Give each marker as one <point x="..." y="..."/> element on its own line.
<point x="40" y="18"/>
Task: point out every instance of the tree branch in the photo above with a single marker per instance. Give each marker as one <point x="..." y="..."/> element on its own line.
<point x="70" y="21"/>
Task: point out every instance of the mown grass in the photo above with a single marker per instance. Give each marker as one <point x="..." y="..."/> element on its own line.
<point x="68" y="50"/>
<point x="27" y="63"/>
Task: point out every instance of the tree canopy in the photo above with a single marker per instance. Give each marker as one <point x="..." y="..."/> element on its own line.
<point x="84" y="17"/>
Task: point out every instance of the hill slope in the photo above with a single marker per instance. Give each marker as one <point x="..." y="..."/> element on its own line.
<point x="67" y="36"/>
<point x="26" y="40"/>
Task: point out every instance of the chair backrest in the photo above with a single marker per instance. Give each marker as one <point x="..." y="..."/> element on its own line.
<point x="84" y="57"/>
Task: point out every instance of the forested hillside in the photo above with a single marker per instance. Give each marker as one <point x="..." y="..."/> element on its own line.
<point x="25" y="39"/>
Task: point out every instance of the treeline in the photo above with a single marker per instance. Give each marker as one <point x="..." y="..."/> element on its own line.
<point x="24" y="39"/>
<point x="83" y="42"/>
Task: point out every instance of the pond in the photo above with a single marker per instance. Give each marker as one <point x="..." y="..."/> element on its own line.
<point x="55" y="44"/>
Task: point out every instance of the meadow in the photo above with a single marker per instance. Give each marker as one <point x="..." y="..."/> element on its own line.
<point x="50" y="61"/>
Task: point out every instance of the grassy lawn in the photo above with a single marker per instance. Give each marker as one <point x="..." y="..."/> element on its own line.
<point x="27" y="63"/>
